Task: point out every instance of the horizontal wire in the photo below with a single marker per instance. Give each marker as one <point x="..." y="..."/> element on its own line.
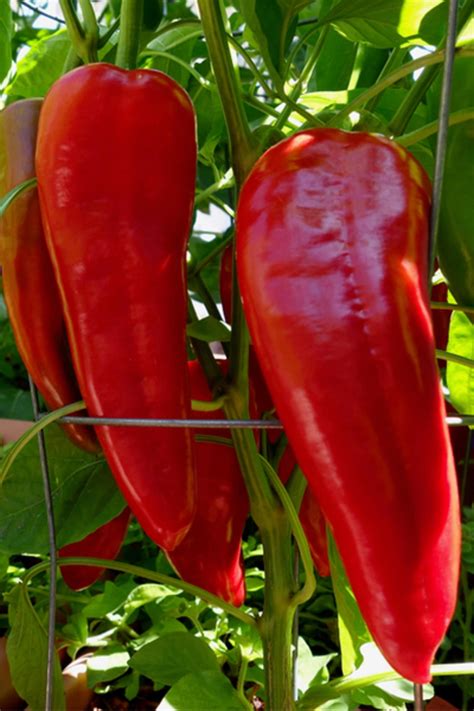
<point x="451" y="421"/>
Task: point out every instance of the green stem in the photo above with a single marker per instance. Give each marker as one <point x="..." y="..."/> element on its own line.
<point x="454" y="358"/>
<point x="15" y="192"/>
<point x="91" y="30"/>
<point x="131" y="15"/>
<point x="243" y="149"/>
<point x="445" y="306"/>
<point x="316" y="696"/>
<point x="276" y="624"/>
<point x="185" y="65"/>
<point x="74" y="28"/>
<point x="193" y="590"/>
<point x="207" y="405"/>
<point x="241" y="683"/>
<point x="309" y="586"/>
<point x="227" y="181"/>
<point x="408" y="106"/>
<point x="302" y="82"/>
<point x="409" y="139"/>
<point x="33" y="431"/>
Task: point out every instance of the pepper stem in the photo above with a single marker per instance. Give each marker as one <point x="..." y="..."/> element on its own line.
<point x="131" y="16"/>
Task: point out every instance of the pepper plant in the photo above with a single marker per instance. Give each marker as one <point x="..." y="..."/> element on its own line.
<point x="309" y="129"/>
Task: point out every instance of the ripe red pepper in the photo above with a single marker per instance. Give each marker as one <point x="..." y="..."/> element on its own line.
<point x="210" y="555"/>
<point x="116" y="162"/>
<point x="31" y="294"/>
<point x="104" y="542"/>
<point x="332" y="265"/>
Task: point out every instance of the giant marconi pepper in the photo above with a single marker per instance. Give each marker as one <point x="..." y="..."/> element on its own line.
<point x="31" y="293"/>
<point x="332" y="265"/>
<point x="116" y="162"/>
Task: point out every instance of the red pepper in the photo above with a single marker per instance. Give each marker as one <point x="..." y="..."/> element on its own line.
<point x="116" y="162"/>
<point x="31" y="294"/>
<point x="105" y="542"/>
<point x="210" y="555"/>
<point x="332" y="263"/>
<point x="311" y="516"/>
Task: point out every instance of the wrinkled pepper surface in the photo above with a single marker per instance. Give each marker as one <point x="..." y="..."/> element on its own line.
<point x="116" y="162"/>
<point x="31" y="293"/>
<point x="210" y="555"/>
<point x="104" y="542"/>
<point x="332" y="232"/>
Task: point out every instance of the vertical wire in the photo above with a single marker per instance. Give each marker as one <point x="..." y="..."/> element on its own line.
<point x="441" y="142"/>
<point x="52" y="550"/>
<point x="443" y="125"/>
<point x="418" y="705"/>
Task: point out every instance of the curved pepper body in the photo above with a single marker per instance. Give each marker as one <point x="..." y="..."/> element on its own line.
<point x="104" y="542"/>
<point x="31" y="293"/>
<point x="210" y="555"/>
<point x="116" y="162"/>
<point x="331" y="257"/>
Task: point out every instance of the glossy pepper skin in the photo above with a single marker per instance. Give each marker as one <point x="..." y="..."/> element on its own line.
<point x="104" y="542"/>
<point x="116" y="162"/>
<point x="31" y="293"/>
<point x="332" y="265"/>
<point x="210" y="555"/>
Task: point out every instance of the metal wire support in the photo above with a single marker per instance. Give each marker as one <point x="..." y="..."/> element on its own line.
<point x="52" y="550"/>
<point x="443" y="125"/>
<point x="418" y="705"/>
<point x="451" y="421"/>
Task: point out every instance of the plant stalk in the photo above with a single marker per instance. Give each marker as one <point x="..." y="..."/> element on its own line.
<point x="131" y="15"/>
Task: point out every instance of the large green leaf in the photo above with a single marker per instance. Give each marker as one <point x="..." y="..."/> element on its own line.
<point x="167" y="659"/>
<point x="85" y="496"/>
<point x="271" y="24"/>
<point x="40" y="67"/>
<point x="382" y="23"/>
<point x="203" y="690"/>
<point x="6" y="29"/>
<point x="27" y="650"/>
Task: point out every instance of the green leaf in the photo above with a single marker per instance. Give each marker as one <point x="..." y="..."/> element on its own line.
<point x="110" y="600"/>
<point x="460" y="379"/>
<point x="204" y="690"/>
<point x="311" y="669"/>
<point x="6" y="31"/>
<point x="382" y="23"/>
<point x="271" y="26"/>
<point x="84" y="492"/>
<point x="146" y="593"/>
<point x="40" y="68"/>
<point x="173" y="656"/>
<point x="27" y="650"/>
<point x="208" y="329"/>
<point x="353" y="631"/>
<point x="175" y="36"/>
<point x="334" y="65"/>
<point x="15" y="404"/>
<point x="107" y="664"/>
